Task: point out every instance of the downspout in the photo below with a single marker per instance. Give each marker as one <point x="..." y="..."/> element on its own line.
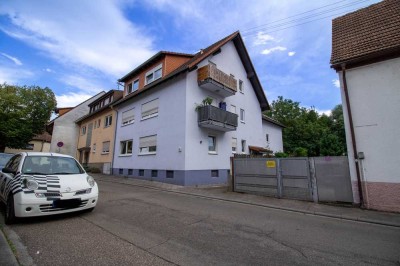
<point x="115" y="139"/>
<point x="353" y="138"/>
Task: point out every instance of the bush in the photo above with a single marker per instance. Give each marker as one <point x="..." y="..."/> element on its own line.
<point x="281" y="155"/>
<point x="300" y="152"/>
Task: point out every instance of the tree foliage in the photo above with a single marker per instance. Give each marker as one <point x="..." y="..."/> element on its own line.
<point x="24" y="112"/>
<point x="308" y="133"/>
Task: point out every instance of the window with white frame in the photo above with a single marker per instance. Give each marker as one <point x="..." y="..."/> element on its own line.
<point x="267" y="137"/>
<point x="154" y="74"/>
<point x="234" y="145"/>
<point x="150" y="109"/>
<point x="94" y="147"/>
<point x="241" y="86"/>
<point x="242" y="115"/>
<point x="243" y="146"/>
<point x="106" y="147"/>
<point x="108" y="121"/>
<point x="126" y="147"/>
<point x="133" y="86"/>
<point x="148" y="145"/>
<point x="212" y="144"/>
<point x="233" y="109"/>
<point x="83" y="130"/>
<point x="128" y="117"/>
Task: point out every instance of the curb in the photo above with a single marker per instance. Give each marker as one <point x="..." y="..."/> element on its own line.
<point x="7" y="257"/>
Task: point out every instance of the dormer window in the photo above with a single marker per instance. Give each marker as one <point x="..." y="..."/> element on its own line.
<point x="133" y="86"/>
<point x="154" y="74"/>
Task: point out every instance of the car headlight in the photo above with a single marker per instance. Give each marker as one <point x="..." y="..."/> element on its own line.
<point x="31" y="183"/>
<point x="90" y="180"/>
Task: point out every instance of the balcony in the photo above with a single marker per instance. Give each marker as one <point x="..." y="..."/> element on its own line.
<point x="218" y="119"/>
<point x="209" y="77"/>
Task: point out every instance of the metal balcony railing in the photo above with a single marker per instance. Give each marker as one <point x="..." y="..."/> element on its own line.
<point x="213" y="117"/>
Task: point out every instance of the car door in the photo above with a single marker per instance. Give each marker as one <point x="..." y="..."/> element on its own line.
<point x="5" y="178"/>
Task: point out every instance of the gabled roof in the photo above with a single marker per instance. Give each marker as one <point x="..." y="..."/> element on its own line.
<point x="45" y="136"/>
<point x="370" y="32"/>
<point x="203" y="54"/>
<point x="273" y="121"/>
<point x="150" y="61"/>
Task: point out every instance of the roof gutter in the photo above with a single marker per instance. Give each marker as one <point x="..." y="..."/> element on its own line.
<point x="353" y="138"/>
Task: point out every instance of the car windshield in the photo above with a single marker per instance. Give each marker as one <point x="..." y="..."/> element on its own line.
<point x="51" y="165"/>
<point x="4" y="158"/>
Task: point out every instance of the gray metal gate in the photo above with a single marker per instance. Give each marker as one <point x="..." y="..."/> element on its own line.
<point x="295" y="176"/>
<point x="253" y="176"/>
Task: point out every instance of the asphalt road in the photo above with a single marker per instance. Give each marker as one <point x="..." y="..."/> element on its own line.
<point x="134" y="225"/>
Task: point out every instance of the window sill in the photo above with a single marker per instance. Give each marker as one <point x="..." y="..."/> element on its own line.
<point x="125" y="155"/>
<point x="241" y="121"/>
<point x="148" y="117"/>
<point x="105" y="153"/>
<point x="124" y="125"/>
<point x="212" y="153"/>
<point x="148" y="153"/>
<point x="107" y="126"/>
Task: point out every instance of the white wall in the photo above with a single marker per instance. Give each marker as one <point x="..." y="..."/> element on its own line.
<point x="67" y="131"/>
<point x="169" y="126"/>
<point x="275" y="142"/>
<point x="197" y="156"/>
<point x="374" y="92"/>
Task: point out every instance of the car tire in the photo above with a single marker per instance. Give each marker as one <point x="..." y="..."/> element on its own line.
<point x="10" y="211"/>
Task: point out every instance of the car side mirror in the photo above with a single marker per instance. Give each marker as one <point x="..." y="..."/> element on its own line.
<point x="8" y="171"/>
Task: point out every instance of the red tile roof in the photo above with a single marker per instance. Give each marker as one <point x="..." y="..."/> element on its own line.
<point x="46" y="137"/>
<point x="371" y="31"/>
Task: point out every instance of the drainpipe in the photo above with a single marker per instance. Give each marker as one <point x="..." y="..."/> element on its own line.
<point x="353" y="138"/>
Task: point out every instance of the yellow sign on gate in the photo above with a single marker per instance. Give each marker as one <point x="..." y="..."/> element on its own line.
<point x="271" y="164"/>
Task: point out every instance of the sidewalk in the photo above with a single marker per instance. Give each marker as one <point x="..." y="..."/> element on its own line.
<point x="304" y="207"/>
<point x="7" y="257"/>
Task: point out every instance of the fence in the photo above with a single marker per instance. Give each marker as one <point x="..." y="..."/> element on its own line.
<point x="311" y="179"/>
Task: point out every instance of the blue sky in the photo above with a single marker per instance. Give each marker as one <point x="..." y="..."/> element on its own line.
<point x="80" y="47"/>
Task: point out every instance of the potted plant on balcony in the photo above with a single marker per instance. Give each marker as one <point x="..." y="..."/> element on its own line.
<point x="206" y="101"/>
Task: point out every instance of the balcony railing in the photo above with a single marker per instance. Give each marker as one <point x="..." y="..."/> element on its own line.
<point x="211" y="78"/>
<point x="215" y="118"/>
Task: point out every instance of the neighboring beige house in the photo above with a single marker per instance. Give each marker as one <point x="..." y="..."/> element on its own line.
<point x="39" y="143"/>
<point x="97" y="131"/>
<point x="366" y="55"/>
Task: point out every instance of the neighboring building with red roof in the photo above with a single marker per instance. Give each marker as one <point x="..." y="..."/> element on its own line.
<point x="366" y="55"/>
<point x="166" y="131"/>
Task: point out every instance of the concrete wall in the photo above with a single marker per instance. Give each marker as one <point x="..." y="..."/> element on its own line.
<point x="274" y="132"/>
<point x="39" y="146"/>
<point x="66" y="130"/>
<point x="374" y="92"/>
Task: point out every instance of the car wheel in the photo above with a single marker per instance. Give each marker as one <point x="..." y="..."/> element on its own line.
<point x="10" y="211"/>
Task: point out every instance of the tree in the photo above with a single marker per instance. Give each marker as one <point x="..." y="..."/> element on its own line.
<point x="24" y="112"/>
<point x="307" y="133"/>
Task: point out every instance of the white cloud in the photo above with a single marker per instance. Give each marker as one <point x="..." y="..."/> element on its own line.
<point x="324" y="112"/>
<point x="292" y="53"/>
<point x="71" y="99"/>
<point x="14" y="59"/>
<point x="271" y="50"/>
<point x="97" y="35"/>
<point x="84" y="84"/>
<point x="48" y="70"/>
<point x="262" y="38"/>
<point x="336" y="82"/>
<point x="13" y="75"/>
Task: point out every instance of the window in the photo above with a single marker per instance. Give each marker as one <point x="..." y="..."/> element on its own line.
<point x="241" y="86"/>
<point x="243" y="146"/>
<point x="267" y="137"/>
<point x="94" y="147"/>
<point x="150" y="109"/>
<point x="128" y="117"/>
<point x="148" y="145"/>
<point x="141" y="172"/>
<point x="98" y="123"/>
<point x="154" y="74"/>
<point x="130" y="171"/>
<point x="212" y="144"/>
<point x="242" y="116"/>
<point x="170" y="174"/>
<point x="126" y="147"/>
<point x="29" y="147"/>
<point x="234" y="145"/>
<point x="133" y="86"/>
<point x="121" y="171"/>
<point x="154" y="173"/>
<point x="214" y="173"/>
<point x="108" y="121"/>
<point x="233" y="109"/>
<point x="106" y="147"/>
<point x="83" y="130"/>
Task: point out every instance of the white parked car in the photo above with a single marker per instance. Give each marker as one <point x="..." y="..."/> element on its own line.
<point x="37" y="184"/>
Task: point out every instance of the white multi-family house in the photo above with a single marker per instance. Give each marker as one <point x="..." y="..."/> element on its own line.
<point x="366" y="55"/>
<point x="166" y="130"/>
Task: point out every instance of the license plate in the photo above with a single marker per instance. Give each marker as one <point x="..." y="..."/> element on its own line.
<point x="67" y="204"/>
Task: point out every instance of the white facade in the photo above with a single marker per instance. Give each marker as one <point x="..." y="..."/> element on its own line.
<point x="182" y="146"/>
<point x="273" y="136"/>
<point x="65" y="129"/>
<point x="374" y="93"/>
